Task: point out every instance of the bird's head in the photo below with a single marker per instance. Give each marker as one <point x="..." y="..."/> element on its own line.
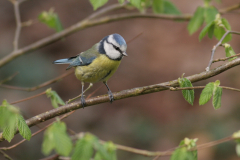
<point x="114" y="46"/>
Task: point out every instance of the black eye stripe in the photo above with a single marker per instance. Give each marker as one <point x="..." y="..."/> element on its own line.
<point x="117" y="48"/>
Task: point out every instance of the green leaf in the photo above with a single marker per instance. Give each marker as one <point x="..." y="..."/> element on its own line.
<point x="111" y="149"/>
<point x="187" y="94"/>
<point x="51" y="19"/>
<point x="56" y="137"/>
<point x="84" y="148"/>
<point x="238" y="149"/>
<point x="184" y="151"/>
<point x="196" y="21"/>
<point x="210" y="14"/>
<point x="219" y="31"/>
<point x="158" y="6"/>
<point x="136" y="3"/>
<point x="55" y="99"/>
<point x="10" y="129"/>
<point x="8" y="120"/>
<point x="170" y="8"/>
<point x="23" y="128"/>
<point x="229" y="51"/>
<point x="217" y="95"/>
<point x="206" y="94"/>
<point x="98" y="3"/>
<point x="102" y="151"/>
<point x="206" y="30"/>
<point x="211" y="31"/>
<point x="121" y="1"/>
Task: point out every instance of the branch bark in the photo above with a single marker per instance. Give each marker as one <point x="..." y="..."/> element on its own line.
<point x="126" y="94"/>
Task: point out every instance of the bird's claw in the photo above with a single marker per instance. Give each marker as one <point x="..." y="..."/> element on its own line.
<point x="110" y="96"/>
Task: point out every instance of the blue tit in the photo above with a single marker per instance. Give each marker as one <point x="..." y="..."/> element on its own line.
<point x="98" y="63"/>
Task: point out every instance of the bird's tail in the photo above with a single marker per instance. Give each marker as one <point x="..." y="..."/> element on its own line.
<point x="64" y="61"/>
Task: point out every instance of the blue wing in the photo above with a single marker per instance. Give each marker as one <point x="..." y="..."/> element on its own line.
<point x="79" y="60"/>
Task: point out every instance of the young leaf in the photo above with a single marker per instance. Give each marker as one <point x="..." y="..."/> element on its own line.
<point x="102" y="151"/>
<point x="211" y="31"/>
<point x="217" y="95"/>
<point x="51" y="19"/>
<point x="179" y="154"/>
<point x="187" y="94"/>
<point x="8" y="120"/>
<point x="10" y="129"/>
<point x="183" y="152"/>
<point x="136" y="3"/>
<point x="196" y="21"/>
<point x="98" y="3"/>
<point x="206" y="94"/>
<point x="170" y="8"/>
<point x="111" y="149"/>
<point x="238" y="149"/>
<point x="56" y="137"/>
<point x="84" y="148"/>
<point x="229" y="51"/>
<point x="206" y="30"/>
<point x="210" y="14"/>
<point x="55" y="99"/>
<point x="219" y="31"/>
<point x="23" y="128"/>
<point x="158" y="6"/>
<point x="121" y="1"/>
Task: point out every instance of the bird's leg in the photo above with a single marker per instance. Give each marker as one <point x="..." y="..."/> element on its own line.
<point x="81" y="95"/>
<point x="109" y="93"/>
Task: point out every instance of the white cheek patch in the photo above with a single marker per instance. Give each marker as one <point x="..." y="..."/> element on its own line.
<point x="112" y="40"/>
<point x="111" y="52"/>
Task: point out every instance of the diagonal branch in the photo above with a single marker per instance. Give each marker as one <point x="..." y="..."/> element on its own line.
<point x="39" y="86"/>
<point x="82" y="25"/>
<point x="127" y="93"/>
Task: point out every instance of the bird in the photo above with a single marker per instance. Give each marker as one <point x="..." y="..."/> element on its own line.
<point x="98" y="63"/>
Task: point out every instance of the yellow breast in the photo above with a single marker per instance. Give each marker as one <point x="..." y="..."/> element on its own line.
<point x="101" y="69"/>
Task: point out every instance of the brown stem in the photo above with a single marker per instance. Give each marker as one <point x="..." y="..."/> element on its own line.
<point x="39" y="86"/>
<point x="22" y="100"/>
<point x="127" y="93"/>
<point x="18" y="25"/>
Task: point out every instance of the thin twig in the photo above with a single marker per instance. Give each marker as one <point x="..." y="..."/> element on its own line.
<point x="82" y="25"/>
<point x="214" y="49"/>
<point x="200" y="87"/>
<point x="126" y="94"/>
<point x="226" y="58"/>
<point x="8" y="78"/>
<point x="29" y="98"/>
<point x="5" y="155"/>
<point x="129" y="41"/>
<point x="229" y="9"/>
<point x="18" y="25"/>
<point x="217" y="45"/>
<point x="39" y="86"/>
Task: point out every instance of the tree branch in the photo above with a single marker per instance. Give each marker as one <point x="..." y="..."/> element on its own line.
<point x="5" y="155"/>
<point x="200" y="87"/>
<point x="82" y="25"/>
<point x="226" y="58"/>
<point x="39" y="86"/>
<point x="126" y="94"/>
<point x="217" y="45"/>
<point x="18" y="25"/>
